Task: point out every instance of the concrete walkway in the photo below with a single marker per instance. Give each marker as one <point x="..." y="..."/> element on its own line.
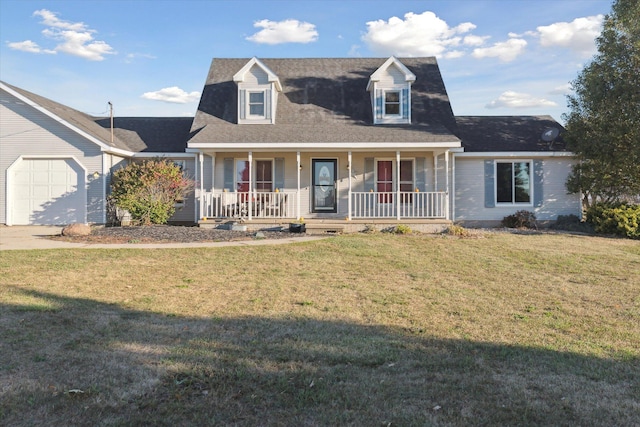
<point x="26" y="237"/>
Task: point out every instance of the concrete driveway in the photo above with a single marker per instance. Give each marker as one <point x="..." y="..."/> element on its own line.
<point x="25" y="237"/>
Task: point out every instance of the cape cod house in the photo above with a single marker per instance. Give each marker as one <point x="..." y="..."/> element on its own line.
<point x="350" y="140"/>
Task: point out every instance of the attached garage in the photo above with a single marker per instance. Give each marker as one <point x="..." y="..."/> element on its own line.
<point x="46" y="191"/>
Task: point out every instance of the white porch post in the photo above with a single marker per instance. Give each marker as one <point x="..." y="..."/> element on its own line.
<point x="298" y="165"/>
<point x="398" y="185"/>
<point x="446" y="199"/>
<point x="435" y="171"/>
<point x="349" y="181"/>
<point x="249" y="201"/>
<point x="201" y="170"/>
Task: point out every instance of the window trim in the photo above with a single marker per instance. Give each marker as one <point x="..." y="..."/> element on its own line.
<point x="386" y="115"/>
<point x="248" y="104"/>
<point x="513" y="187"/>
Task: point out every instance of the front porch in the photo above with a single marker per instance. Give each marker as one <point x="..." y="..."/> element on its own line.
<point x="286" y="205"/>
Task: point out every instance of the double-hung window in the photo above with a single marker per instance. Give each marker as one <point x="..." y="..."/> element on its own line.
<point x="392" y="103"/>
<point x="256" y="104"/>
<point x="513" y="182"/>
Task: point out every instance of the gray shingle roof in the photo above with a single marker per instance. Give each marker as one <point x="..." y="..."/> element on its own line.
<point x="136" y="134"/>
<point x="508" y="133"/>
<point x="151" y="134"/>
<point x="323" y="100"/>
<point x="82" y="121"/>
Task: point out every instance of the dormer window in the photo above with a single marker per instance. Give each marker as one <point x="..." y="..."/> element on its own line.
<point x="391" y="103"/>
<point x="256" y="104"/>
<point x="258" y="89"/>
<point x="390" y="88"/>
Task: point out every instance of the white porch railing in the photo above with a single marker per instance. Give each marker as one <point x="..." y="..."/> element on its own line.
<point x="369" y="205"/>
<point x="423" y="205"/>
<point x="242" y="205"/>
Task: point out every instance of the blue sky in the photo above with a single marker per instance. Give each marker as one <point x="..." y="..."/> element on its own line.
<point x="151" y="58"/>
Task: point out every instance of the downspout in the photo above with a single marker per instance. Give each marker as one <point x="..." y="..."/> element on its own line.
<point x="349" y="158"/>
<point x="398" y="185"/>
<point x="298" y="166"/>
<point x="446" y="167"/>
<point x="105" y="172"/>
<point x="201" y="195"/>
<point x="453" y="188"/>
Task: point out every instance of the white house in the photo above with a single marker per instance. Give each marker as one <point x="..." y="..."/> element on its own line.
<point x="357" y="140"/>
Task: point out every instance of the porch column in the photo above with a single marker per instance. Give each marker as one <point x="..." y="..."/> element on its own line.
<point x="250" y="202"/>
<point x="446" y="199"/>
<point x="298" y="166"/>
<point x="435" y="171"/>
<point x="398" y="185"/>
<point x="201" y="162"/>
<point x="349" y="181"/>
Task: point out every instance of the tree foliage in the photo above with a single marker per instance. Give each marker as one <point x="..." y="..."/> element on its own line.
<point x="603" y="125"/>
<point x="149" y="190"/>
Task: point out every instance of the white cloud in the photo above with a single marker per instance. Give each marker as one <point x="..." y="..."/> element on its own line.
<point x="564" y="89"/>
<point x="578" y="35"/>
<point x="28" y="46"/>
<point x="173" y="95"/>
<point x="287" y="31"/>
<point x="505" y="51"/>
<point x="75" y="38"/>
<point x="416" y="35"/>
<point x="511" y="99"/>
<point x="472" y="40"/>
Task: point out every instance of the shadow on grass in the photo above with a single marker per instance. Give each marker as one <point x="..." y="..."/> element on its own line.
<point x="81" y="362"/>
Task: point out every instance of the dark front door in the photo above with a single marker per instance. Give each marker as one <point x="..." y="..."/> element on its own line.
<point x="324" y="185"/>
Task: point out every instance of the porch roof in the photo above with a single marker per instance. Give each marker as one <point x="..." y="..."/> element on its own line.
<point x="324" y="100"/>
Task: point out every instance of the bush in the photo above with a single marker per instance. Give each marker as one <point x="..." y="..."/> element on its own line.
<point x="149" y="190"/>
<point x="520" y="219"/>
<point x="617" y="219"/>
<point x="458" y="230"/>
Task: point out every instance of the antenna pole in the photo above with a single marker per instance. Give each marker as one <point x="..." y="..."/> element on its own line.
<point x="111" y="115"/>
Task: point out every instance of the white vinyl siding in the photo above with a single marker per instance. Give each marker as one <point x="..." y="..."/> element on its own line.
<point x="470" y="192"/>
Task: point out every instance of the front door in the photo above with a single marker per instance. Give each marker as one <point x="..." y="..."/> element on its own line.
<point x="324" y="185"/>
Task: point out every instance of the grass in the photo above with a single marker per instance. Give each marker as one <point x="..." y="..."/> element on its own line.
<point x="376" y="329"/>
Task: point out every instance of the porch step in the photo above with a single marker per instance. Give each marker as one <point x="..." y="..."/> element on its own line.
<point x="320" y="228"/>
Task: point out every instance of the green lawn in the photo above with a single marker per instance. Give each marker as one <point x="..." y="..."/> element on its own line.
<point x="370" y="330"/>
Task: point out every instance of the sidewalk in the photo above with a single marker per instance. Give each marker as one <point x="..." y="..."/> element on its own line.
<point x="26" y="237"/>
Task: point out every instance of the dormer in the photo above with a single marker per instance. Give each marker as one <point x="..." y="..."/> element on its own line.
<point x="390" y="88"/>
<point x="258" y="89"/>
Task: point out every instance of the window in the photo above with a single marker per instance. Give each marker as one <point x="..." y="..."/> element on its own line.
<point x="392" y="103"/>
<point x="242" y="176"/>
<point x="264" y="175"/>
<point x="180" y="164"/>
<point x="385" y="180"/>
<point x="256" y="104"/>
<point x="513" y="182"/>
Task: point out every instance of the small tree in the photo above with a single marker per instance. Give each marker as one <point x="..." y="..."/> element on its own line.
<point x="149" y="190"/>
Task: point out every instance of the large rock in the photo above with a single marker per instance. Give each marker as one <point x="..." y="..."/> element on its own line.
<point x="76" y="230"/>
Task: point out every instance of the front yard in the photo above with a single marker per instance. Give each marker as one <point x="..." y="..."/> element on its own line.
<point x="370" y="330"/>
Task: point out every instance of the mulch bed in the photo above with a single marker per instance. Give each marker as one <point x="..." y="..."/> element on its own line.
<point x="171" y="234"/>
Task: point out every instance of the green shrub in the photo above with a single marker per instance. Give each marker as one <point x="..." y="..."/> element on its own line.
<point x="458" y="230"/>
<point x="617" y="219"/>
<point x="520" y="219"/>
<point x="401" y="229"/>
<point x="149" y="190"/>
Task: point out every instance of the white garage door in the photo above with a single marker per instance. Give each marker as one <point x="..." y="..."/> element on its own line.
<point x="47" y="192"/>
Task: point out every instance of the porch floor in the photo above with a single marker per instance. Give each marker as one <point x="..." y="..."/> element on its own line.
<point x="332" y="225"/>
